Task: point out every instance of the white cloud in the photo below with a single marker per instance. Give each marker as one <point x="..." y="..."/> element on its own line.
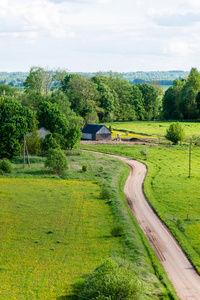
<point x="83" y="1"/>
<point x="176" y="19"/>
<point x="39" y="16"/>
<point x="86" y="35"/>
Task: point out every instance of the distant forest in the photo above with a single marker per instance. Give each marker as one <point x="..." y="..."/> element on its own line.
<point x="164" y="78"/>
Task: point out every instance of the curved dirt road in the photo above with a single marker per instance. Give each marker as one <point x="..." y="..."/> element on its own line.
<point x="179" y="270"/>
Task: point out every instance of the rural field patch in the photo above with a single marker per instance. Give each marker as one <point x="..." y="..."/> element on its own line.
<point x="154" y="128"/>
<point x="52" y="232"/>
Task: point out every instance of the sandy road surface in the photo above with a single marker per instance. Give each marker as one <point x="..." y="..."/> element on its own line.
<point x="179" y="270"/>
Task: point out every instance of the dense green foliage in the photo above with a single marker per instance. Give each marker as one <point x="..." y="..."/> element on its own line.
<point x="63" y="103"/>
<point x="175" y="133"/>
<point x="181" y="100"/>
<point x="56" y="161"/>
<point x="15" y="122"/>
<point x="112" y="280"/>
<point x="5" y="165"/>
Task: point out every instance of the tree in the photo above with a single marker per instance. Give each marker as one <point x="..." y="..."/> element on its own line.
<point x="194" y="79"/>
<point x="34" y="80"/>
<point x="73" y="136"/>
<point x="33" y="140"/>
<point x="50" y="117"/>
<point x="171" y="100"/>
<point x="39" y="80"/>
<point x="106" y="100"/>
<point x="49" y="142"/>
<point x="60" y="99"/>
<point x="112" y="280"/>
<point x="150" y="97"/>
<point x="56" y="161"/>
<point x="32" y="99"/>
<point x="188" y="105"/>
<point x="7" y="91"/>
<point x="15" y="122"/>
<point x="175" y="133"/>
<point x="83" y="95"/>
<point x="138" y="102"/>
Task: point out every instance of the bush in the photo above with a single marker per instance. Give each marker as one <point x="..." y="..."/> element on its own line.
<point x="49" y="143"/>
<point x="5" y="165"/>
<point x="106" y="193"/>
<point x="117" y="230"/>
<point x="2" y="172"/>
<point x="144" y="153"/>
<point x="56" y="161"/>
<point x="175" y="133"/>
<point x="196" y="139"/>
<point x="112" y="280"/>
<point x="84" y="168"/>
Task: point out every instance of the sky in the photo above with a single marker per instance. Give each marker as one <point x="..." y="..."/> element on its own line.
<point x="100" y="35"/>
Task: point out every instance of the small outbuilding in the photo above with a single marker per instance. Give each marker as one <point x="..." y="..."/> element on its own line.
<point x="96" y="132"/>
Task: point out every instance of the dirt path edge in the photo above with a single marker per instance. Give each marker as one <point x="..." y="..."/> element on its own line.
<point x="180" y="271"/>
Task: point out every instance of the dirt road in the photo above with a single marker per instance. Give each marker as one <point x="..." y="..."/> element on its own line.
<point x="179" y="270"/>
<point x="181" y="273"/>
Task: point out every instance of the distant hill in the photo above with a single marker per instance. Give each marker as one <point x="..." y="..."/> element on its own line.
<point x="13" y="79"/>
<point x="164" y="78"/>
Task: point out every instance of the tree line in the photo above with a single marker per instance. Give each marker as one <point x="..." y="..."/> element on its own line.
<point x="182" y="99"/>
<point x="63" y="103"/>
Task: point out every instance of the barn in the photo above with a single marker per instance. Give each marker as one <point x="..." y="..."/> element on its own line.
<point x="96" y="132"/>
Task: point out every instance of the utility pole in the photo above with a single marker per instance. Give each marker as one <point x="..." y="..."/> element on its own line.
<point x="26" y="152"/>
<point x="190" y="158"/>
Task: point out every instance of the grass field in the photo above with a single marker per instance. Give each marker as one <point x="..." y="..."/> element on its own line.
<point x="174" y="196"/>
<point x="54" y="230"/>
<point x="154" y="128"/>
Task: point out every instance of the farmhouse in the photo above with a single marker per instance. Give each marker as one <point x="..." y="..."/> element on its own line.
<point x="96" y="132"/>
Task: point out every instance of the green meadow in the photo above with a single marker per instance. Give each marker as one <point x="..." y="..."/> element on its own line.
<point x="55" y="230"/>
<point x="173" y="195"/>
<point x="154" y="128"/>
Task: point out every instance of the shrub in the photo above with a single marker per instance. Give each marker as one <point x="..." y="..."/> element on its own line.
<point x="144" y="153"/>
<point x="175" y="133"/>
<point x="84" y="168"/>
<point x="56" y="161"/>
<point x="101" y="169"/>
<point x="111" y="280"/>
<point x="49" y="143"/>
<point x="196" y="139"/>
<point x="106" y="193"/>
<point x="5" y="165"/>
<point x="117" y="230"/>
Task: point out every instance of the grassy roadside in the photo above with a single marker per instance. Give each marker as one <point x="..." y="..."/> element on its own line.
<point x="53" y="243"/>
<point x="173" y="195"/>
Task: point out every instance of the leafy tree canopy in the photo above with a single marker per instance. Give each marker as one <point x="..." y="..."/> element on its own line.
<point x="15" y="122"/>
<point x="175" y="133"/>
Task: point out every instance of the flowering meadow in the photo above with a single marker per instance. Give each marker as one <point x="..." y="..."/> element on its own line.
<point x="52" y="232"/>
